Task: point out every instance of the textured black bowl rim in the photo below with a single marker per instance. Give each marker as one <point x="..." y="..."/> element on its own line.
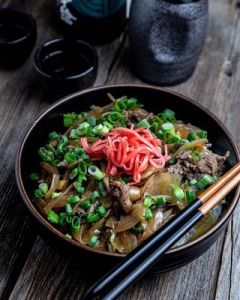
<point x="24" y="15"/>
<point x="94" y="62"/>
<point x="33" y="210"/>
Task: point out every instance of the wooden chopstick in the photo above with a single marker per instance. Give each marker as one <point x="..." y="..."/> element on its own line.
<point x="146" y="254"/>
<point x="211" y="190"/>
<point x="220" y="194"/>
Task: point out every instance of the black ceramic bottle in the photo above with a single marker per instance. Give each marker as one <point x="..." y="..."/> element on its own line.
<point x="166" y="38"/>
<point x="96" y="21"/>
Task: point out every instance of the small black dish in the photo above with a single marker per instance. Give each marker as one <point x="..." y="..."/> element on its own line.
<point x="65" y="62"/>
<point x="17" y="37"/>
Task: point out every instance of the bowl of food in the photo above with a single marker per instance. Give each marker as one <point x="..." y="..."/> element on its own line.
<point x="102" y="169"/>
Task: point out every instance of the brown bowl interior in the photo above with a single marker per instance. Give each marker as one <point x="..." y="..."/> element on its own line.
<point x="155" y="100"/>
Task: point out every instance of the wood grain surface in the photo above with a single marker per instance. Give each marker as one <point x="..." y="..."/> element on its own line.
<point x="29" y="268"/>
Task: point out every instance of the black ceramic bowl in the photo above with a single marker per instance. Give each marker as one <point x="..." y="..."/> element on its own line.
<point x="155" y="100"/>
<point x="17" y="37"/>
<point x="64" y="62"/>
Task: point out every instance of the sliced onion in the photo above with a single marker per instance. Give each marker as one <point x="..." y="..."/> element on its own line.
<point x="148" y="172"/>
<point x="125" y="242"/>
<point x="153" y="225"/>
<point x="72" y="165"/>
<point x="53" y="187"/>
<point x="61" y="185"/>
<point x="111" y="222"/>
<point x="134" y="193"/>
<point x="58" y="202"/>
<point x="78" y="236"/>
<point x="167" y="215"/>
<point x="184" y="129"/>
<point x="138" y="211"/>
<point x="49" y="168"/>
<point x="98" y="225"/>
<point x="203" y="225"/>
<point x="194" y="144"/>
<point x="160" y="183"/>
<point x="125" y="223"/>
<point x="106" y="183"/>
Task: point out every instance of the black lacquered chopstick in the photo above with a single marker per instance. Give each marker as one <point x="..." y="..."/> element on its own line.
<point x="147" y="254"/>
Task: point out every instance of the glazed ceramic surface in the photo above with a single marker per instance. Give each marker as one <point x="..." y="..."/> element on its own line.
<point x="166" y="39"/>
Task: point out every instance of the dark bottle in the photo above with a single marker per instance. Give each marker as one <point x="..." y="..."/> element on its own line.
<point x="96" y="21"/>
<point x="166" y="38"/>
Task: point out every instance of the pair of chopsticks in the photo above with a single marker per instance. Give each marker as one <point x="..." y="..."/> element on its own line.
<point x="148" y="253"/>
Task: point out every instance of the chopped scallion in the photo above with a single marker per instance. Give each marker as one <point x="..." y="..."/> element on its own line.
<point x="86" y="204"/>
<point x="172" y="161"/>
<point x="96" y="172"/>
<point x="132" y="103"/>
<point x="168" y="127"/>
<point x="94" y="195"/>
<point x="184" y="141"/>
<point x="70" y="157"/>
<point x="196" y="155"/>
<point x="190" y="196"/>
<point x="69" y="219"/>
<point x="46" y="155"/>
<point x="178" y="193"/>
<point x="174" y="138"/>
<point x="139" y="228"/>
<point x="43" y="187"/>
<point x="202" y="134"/>
<point x="91" y="121"/>
<point x="101" y="210"/>
<point x="120" y="105"/>
<point x="144" y="123"/>
<point x="53" y="217"/>
<point x="147" y="201"/>
<point x="38" y="193"/>
<point x="69" y="209"/>
<point x="74" y="173"/>
<point x="160" y="201"/>
<point x="35" y="176"/>
<point x="192" y="182"/>
<point x="62" y="218"/>
<point x="114" y="117"/>
<point x="102" y="189"/>
<point x="69" y="118"/>
<point x="204" y="181"/>
<point x="73" y="199"/>
<point x="169" y="115"/>
<point x="75" y="226"/>
<point x="93" y="241"/>
<point x="73" y="134"/>
<point x="55" y="195"/>
<point x="53" y="135"/>
<point x="191" y="136"/>
<point x="93" y="218"/>
<point x="148" y="214"/>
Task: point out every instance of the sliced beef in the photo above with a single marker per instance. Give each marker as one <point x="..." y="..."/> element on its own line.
<point x="136" y="115"/>
<point x="210" y="163"/>
<point x="121" y="192"/>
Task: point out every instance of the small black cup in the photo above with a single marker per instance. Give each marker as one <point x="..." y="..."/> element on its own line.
<point x="17" y="37"/>
<point x="66" y="62"/>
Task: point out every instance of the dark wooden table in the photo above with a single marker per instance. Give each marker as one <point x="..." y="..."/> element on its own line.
<point x="29" y="269"/>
